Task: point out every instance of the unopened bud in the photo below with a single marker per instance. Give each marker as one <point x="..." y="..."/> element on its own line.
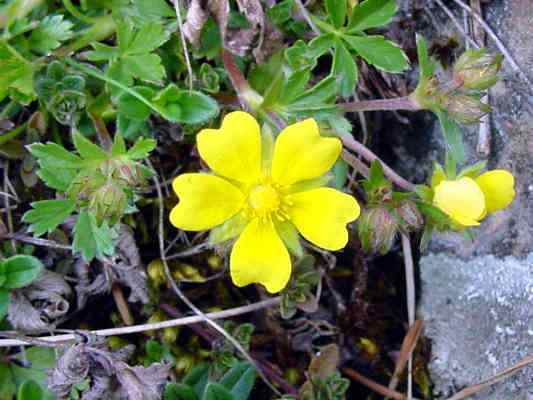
<point x="108" y="203"/>
<point x="156" y="272"/>
<point x="466" y="109"/>
<point x="477" y="69"/>
<point x="411" y="218"/>
<point x="377" y="230"/>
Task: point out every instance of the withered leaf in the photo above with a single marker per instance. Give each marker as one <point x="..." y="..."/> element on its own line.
<point x="140" y="383"/>
<point x="325" y="363"/>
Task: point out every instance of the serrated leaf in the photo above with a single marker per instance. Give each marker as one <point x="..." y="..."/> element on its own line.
<point x="344" y="69"/>
<point x="372" y="13"/>
<point x="91" y="240"/>
<point x="87" y="149"/>
<point x="54" y="155"/>
<point x="323" y="91"/>
<point x="337" y="11"/>
<point x="20" y="271"/>
<point x="46" y="215"/>
<point x="119" y="146"/>
<point x="453" y="136"/>
<point x="141" y="148"/>
<point x="148" y="38"/>
<point x="184" y="106"/>
<point x="380" y="52"/>
<point x="131" y="129"/>
<point x="146" y="67"/>
<point x="15" y="73"/>
<point x="101" y="52"/>
<point x="295" y="86"/>
<point x="52" y="30"/>
<point x="154" y="9"/>
<point x="57" y="178"/>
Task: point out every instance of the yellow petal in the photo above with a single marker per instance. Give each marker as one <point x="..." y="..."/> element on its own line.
<point x="321" y="216"/>
<point x="300" y="153"/>
<point x="205" y="201"/>
<point x="259" y="256"/>
<point x="234" y="150"/>
<point x="498" y="188"/>
<point x="462" y="200"/>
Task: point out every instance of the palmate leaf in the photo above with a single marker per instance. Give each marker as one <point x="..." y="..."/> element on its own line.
<point x="380" y="52"/>
<point x="46" y="215"/>
<point x="371" y="14"/>
<point x="15" y="74"/>
<point x="344" y="69"/>
<point x="20" y="271"/>
<point x="92" y="240"/>
<point x="52" y="30"/>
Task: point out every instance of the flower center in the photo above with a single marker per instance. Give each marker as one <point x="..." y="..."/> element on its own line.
<point x="264" y="199"/>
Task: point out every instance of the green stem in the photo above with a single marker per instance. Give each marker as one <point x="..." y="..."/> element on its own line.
<point x="6" y="137"/>
<point x="74" y="11"/>
<point x="7" y="109"/>
<point x="99" y="75"/>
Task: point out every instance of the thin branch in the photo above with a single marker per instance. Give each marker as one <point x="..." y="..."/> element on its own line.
<point x="410" y="287"/>
<point x="184" y="42"/>
<point x="471" y="390"/>
<point x="501" y="47"/>
<point x="376" y="387"/>
<point x="186" y="300"/>
<point x="231" y="312"/>
<point x="307" y="17"/>
<point x="37" y="241"/>
<point x="189" y="252"/>
<point x="352" y="144"/>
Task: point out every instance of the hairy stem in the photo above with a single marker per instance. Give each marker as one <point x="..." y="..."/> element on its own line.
<point x="397" y="103"/>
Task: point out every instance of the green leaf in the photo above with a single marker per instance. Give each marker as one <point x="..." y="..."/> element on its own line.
<point x="453" y="136"/>
<point x="41" y="360"/>
<point x="146" y="67"/>
<point x="8" y="387"/>
<point x="323" y="91"/>
<point x="154" y="9"/>
<point x="290" y="237"/>
<point x="372" y="13"/>
<point x="119" y="146"/>
<point x="131" y="128"/>
<point x="52" y="30"/>
<point x="15" y="73"/>
<point x="20" y="271"/>
<point x="378" y="51"/>
<point x="141" y="148"/>
<point x="184" y="106"/>
<point x="87" y="149"/>
<point x="148" y="38"/>
<point x="101" y="52"/>
<point x="55" y="156"/>
<point x="427" y="65"/>
<point x="340" y="173"/>
<point x="215" y="391"/>
<point x="92" y="240"/>
<point x="240" y="380"/>
<point x="197" y="378"/>
<point x="337" y="11"/>
<point x="344" y="69"/>
<point x="132" y="107"/>
<point x="4" y="304"/>
<point x="59" y="179"/>
<point x="179" y="391"/>
<point x="473" y="171"/>
<point x="30" y="390"/>
<point x="46" y="215"/>
<point x="295" y="86"/>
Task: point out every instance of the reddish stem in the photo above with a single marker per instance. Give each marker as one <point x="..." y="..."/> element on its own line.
<point x="398" y="103"/>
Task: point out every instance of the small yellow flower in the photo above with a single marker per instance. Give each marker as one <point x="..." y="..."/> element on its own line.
<point x="468" y="200"/>
<point x="264" y="193"/>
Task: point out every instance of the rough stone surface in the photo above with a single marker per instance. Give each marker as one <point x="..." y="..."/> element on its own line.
<point x="479" y="316"/>
<point x="477" y="296"/>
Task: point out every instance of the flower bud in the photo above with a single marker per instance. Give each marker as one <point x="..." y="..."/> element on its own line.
<point x="477" y="69"/>
<point x="377" y="230"/>
<point x="108" y="203"/>
<point x="411" y="218"/>
<point x="466" y="109"/>
<point x="156" y="272"/>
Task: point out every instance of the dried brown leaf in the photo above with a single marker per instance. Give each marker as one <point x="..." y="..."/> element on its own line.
<point x="71" y="368"/>
<point x="140" y="383"/>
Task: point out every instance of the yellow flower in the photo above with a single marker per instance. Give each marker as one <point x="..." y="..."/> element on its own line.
<point x="264" y="193"/>
<point x="467" y="200"/>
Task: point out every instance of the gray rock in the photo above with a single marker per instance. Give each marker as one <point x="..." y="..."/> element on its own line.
<point x="479" y="317"/>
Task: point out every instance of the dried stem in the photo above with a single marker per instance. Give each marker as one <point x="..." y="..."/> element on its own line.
<point x="122" y="305"/>
<point x="37" y="242"/>
<point x="397" y="103"/>
<point x="184" y="43"/>
<point x="410" y="287"/>
<point x="376" y="387"/>
<point x="232" y="312"/>
<point x="186" y="300"/>
<point x="352" y="144"/>
<point x="101" y="131"/>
